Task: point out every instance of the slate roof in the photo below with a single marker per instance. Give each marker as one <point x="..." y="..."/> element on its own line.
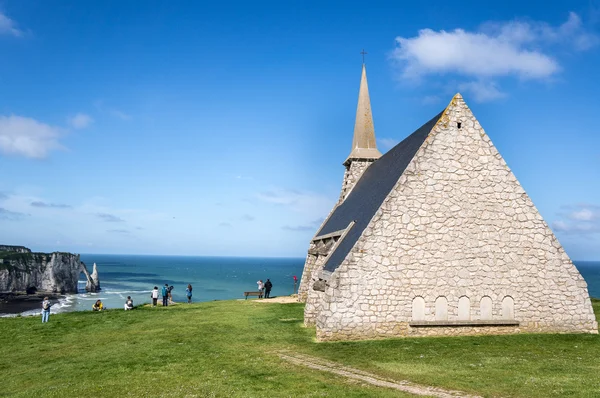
<point x="370" y="191"/>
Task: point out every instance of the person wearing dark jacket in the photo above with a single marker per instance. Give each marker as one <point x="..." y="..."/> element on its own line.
<point x="165" y="294"/>
<point x="268" y="286"/>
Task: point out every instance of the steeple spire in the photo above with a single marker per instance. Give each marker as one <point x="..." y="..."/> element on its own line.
<point x="363" y="144"/>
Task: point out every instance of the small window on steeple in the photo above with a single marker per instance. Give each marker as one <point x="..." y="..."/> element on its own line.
<point x="459" y="125"/>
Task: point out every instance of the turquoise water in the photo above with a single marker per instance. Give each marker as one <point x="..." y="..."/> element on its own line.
<point x="212" y="278"/>
<point x="590" y="270"/>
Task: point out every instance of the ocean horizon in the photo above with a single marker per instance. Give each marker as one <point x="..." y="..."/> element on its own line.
<point x="212" y="278"/>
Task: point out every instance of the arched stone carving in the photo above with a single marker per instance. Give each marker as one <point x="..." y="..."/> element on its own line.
<point x="508" y="308"/>
<point x="441" y="309"/>
<point x="486" y="308"/>
<point x="418" y="309"/>
<point x="464" y="309"/>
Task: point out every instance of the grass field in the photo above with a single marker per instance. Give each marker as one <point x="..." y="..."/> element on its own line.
<point x="229" y="349"/>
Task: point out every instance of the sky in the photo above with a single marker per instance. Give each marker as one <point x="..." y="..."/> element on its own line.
<point x="197" y="128"/>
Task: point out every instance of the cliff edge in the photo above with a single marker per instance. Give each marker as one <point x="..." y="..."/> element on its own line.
<point x="21" y="270"/>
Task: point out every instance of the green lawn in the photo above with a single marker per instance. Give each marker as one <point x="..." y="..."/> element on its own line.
<point x="229" y="349"/>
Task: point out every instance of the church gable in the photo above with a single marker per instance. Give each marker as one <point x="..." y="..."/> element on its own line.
<point x="370" y="191"/>
<point x="457" y="239"/>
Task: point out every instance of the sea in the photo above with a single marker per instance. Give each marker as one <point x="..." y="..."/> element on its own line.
<point x="212" y="278"/>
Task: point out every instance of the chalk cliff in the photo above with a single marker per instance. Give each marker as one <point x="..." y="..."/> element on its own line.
<point x="21" y="270"/>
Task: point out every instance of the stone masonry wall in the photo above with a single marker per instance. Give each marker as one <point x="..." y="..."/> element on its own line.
<point x="314" y="298"/>
<point x="351" y="176"/>
<point x="457" y="224"/>
<point x="307" y="272"/>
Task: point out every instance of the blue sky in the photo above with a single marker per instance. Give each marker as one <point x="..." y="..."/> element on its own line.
<point x="190" y="128"/>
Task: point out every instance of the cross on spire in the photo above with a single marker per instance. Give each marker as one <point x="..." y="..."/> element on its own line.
<point x="363" y="54"/>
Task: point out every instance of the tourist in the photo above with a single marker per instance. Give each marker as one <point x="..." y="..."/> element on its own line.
<point x="188" y="293"/>
<point x="154" y="296"/>
<point x="98" y="306"/>
<point x="170" y="294"/>
<point x="268" y="286"/>
<point x="129" y="303"/>
<point x="165" y="295"/>
<point x="46" y="304"/>
<point x="261" y="287"/>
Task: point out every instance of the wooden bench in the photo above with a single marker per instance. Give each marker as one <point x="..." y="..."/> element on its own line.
<point x="258" y="294"/>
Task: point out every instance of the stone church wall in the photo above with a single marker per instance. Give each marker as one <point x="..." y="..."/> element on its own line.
<point x="457" y="238"/>
<point x="314" y="298"/>
<point x="307" y="272"/>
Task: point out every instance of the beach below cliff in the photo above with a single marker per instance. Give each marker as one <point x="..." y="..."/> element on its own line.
<point x="20" y="303"/>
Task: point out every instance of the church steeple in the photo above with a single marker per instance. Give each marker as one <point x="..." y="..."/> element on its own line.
<point x="364" y="148"/>
<point x="363" y="144"/>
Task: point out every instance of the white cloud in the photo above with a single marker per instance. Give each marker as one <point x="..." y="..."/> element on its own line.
<point x="471" y="54"/>
<point x="27" y="137"/>
<point x="482" y="91"/>
<point x="119" y="114"/>
<point x="6" y="214"/>
<point x="387" y="143"/>
<point x="306" y="202"/>
<point x="109" y="217"/>
<point x="579" y="219"/>
<point x="39" y="203"/>
<point x="80" y="121"/>
<point x="312" y="226"/>
<point x="583" y="215"/>
<point x="431" y="99"/>
<point x="520" y="49"/>
<point x="99" y="104"/>
<point x="9" y="27"/>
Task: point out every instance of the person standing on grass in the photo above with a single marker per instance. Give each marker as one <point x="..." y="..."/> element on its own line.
<point x="188" y="293"/>
<point x="170" y="293"/>
<point x="165" y="295"/>
<point x="268" y="287"/>
<point x="46" y="310"/>
<point x="261" y="287"/>
<point x="154" y="296"/>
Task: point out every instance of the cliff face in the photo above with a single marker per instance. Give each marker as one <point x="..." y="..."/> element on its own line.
<point x="22" y="270"/>
<point x="16" y="249"/>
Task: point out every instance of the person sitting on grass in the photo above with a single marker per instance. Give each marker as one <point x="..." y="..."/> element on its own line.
<point x="97" y="306"/>
<point x="129" y="303"/>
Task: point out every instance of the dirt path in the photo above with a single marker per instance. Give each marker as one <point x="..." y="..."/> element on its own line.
<point x="279" y="300"/>
<point x="356" y="374"/>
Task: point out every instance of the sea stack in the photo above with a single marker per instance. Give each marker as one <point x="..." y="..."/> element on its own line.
<point x="93" y="284"/>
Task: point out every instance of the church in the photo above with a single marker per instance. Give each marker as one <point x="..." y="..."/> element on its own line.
<point x="437" y="238"/>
